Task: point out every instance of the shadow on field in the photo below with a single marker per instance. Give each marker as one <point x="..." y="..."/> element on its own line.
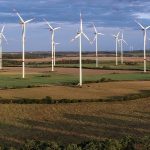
<point x="143" y="117"/>
<point x="74" y="128"/>
<point x="113" y="126"/>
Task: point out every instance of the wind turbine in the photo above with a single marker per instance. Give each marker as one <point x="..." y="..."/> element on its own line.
<point x="144" y="29"/>
<point x="1" y="48"/>
<point x="79" y="35"/>
<point x="121" y="46"/>
<point x="53" y="43"/>
<point x="96" y="42"/>
<point x="116" y="38"/>
<point x="55" y="52"/>
<point x="23" y="24"/>
<point x="131" y="48"/>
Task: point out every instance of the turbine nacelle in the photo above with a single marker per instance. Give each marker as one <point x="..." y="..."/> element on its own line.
<point x="80" y="32"/>
<point x="122" y="40"/>
<point x="50" y="27"/>
<point x="143" y="28"/>
<point x="96" y="33"/>
<point x="116" y="36"/>
<point x="21" y="23"/>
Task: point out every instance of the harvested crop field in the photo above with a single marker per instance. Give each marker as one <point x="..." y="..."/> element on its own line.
<point x="88" y="91"/>
<point x="59" y="70"/>
<point x="73" y="123"/>
<point x="101" y="58"/>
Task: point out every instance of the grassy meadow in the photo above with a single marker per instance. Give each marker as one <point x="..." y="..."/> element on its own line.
<point x="15" y="81"/>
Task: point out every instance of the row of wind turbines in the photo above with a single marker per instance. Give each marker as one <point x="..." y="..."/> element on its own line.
<point x="119" y="42"/>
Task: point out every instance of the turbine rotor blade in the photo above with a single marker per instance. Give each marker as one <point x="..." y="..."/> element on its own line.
<point x="95" y="28"/>
<point x="93" y="39"/>
<point x="118" y="34"/>
<point x="21" y="19"/>
<point x="48" y="24"/>
<point x="2" y="29"/>
<point x="56" y="43"/>
<point x="147" y="27"/>
<point x="29" y="20"/>
<point x="85" y="36"/>
<point x="57" y="28"/>
<point x="77" y="36"/>
<point x="140" y="24"/>
<point x="100" y="33"/>
<point x="125" y="42"/>
<point x="115" y="36"/>
<point x="4" y="38"/>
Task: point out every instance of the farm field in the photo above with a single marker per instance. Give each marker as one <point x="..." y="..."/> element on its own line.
<point x="88" y="91"/>
<point x="73" y="123"/>
<point x="89" y="64"/>
<point x="74" y="75"/>
<point x="63" y="78"/>
<point x="124" y="109"/>
<point x="104" y="58"/>
<point x="41" y="82"/>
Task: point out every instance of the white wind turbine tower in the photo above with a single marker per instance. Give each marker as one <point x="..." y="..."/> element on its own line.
<point x="131" y="48"/>
<point x="23" y="24"/>
<point x="79" y="35"/>
<point x="96" y="42"/>
<point x="55" y="52"/>
<point x="116" y="38"/>
<point x="121" y="46"/>
<point x="53" y="43"/>
<point x="1" y="48"/>
<point x="144" y="29"/>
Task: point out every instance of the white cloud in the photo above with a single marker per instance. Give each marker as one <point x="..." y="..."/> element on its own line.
<point x="142" y="15"/>
<point x="4" y="14"/>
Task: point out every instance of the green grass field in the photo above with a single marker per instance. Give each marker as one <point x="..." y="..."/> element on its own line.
<point x="15" y="81"/>
<point x="103" y="64"/>
<point x="109" y="65"/>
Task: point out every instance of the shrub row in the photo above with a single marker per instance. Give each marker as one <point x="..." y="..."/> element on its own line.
<point x="126" y="143"/>
<point x="142" y="94"/>
<point x="102" y="68"/>
<point x="63" y="61"/>
<point x="131" y="63"/>
<point x="10" y="63"/>
<point x="49" y="100"/>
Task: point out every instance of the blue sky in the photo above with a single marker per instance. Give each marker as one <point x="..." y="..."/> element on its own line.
<point x="110" y="16"/>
